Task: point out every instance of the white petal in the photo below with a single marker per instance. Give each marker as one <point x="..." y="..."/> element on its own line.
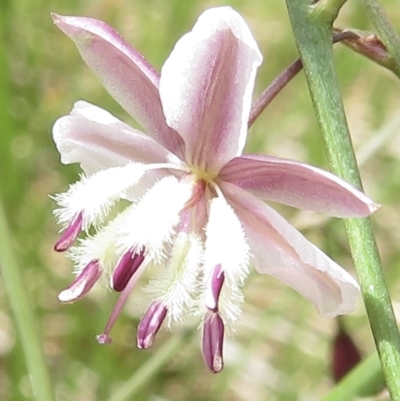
<point x="124" y="72"/>
<point x="206" y="86"/>
<point x="283" y="252"/>
<point x="97" y="140"/>
<point x="297" y="184"/>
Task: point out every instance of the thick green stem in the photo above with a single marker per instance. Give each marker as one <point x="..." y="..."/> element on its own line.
<point x="313" y="34"/>
<point x="24" y="316"/>
<point x="330" y="8"/>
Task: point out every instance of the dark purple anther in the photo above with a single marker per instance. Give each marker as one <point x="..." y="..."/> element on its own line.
<point x="214" y="290"/>
<point x="82" y="284"/>
<point x="150" y="324"/>
<point x="213" y="339"/>
<point x="126" y="268"/>
<point x="69" y="235"/>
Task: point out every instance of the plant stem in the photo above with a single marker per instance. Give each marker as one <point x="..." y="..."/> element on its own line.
<point x="313" y="37"/>
<point x="385" y="30"/>
<point x="273" y="89"/>
<point x="24" y="316"/>
<point x="330" y="8"/>
<point x="149" y="369"/>
<point x="269" y="93"/>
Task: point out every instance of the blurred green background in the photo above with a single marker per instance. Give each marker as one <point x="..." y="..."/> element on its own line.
<point x="282" y="349"/>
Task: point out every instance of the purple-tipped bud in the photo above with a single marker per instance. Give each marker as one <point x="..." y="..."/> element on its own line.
<point x="69" y="235"/>
<point x="213" y="340"/>
<point x="126" y="268"/>
<point x="150" y="324"/>
<point x="82" y="284"/>
<point x="214" y="288"/>
<point x="345" y="355"/>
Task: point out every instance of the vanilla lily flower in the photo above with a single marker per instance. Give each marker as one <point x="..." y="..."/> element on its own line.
<point x="196" y="203"/>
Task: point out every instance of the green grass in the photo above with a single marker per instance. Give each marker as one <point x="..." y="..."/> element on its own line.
<point x="282" y="348"/>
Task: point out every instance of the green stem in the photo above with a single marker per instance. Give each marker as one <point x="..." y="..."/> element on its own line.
<point x="24" y="316"/>
<point x="313" y="35"/>
<point x="149" y="369"/>
<point x="330" y="8"/>
<point x="385" y="30"/>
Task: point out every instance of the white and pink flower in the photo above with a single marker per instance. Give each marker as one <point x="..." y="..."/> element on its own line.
<point x="196" y="206"/>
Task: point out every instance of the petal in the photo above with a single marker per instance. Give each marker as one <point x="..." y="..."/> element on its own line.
<point x="206" y="86"/>
<point x="297" y="184"/>
<point x="124" y="72"/>
<point x="281" y="251"/>
<point x="96" y="139"/>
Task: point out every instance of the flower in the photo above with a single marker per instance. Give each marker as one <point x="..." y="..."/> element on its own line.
<point x="196" y="214"/>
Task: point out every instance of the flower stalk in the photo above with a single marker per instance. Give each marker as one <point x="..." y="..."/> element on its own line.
<point x="313" y="37"/>
<point x="386" y="32"/>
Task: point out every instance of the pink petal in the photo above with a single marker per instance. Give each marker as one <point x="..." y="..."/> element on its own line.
<point x="206" y="86"/>
<point x="281" y="251"/>
<point x="124" y="72"/>
<point x="297" y="184"/>
<point x="96" y="139"/>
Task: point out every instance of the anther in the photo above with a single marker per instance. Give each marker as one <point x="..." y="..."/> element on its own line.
<point x="82" y="284"/>
<point x="213" y="339"/>
<point x="150" y="324"/>
<point x="126" y="268"/>
<point x="70" y="234"/>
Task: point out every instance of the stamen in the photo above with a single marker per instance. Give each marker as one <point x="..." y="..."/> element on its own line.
<point x="126" y="268"/>
<point x="69" y="235"/>
<point x="154" y="218"/>
<point x="82" y="284"/>
<point x="214" y="288"/>
<point x="150" y="324"/>
<point x="104" y="338"/>
<point x="213" y="338"/>
<point x="226" y="243"/>
<point x="94" y="196"/>
<point x="178" y="285"/>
